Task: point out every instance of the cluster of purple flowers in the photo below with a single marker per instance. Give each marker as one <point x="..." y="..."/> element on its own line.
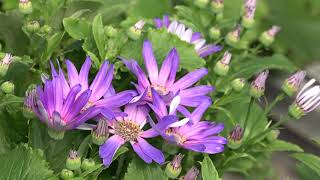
<point x="68" y="103"/>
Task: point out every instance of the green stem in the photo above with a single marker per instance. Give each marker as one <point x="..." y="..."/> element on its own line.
<point x="248" y="113"/>
<point x="9" y="102"/>
<point x="279" y="98"/>
<point x="120" y="165"/>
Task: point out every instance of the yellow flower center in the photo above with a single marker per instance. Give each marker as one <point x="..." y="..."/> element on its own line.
<point x="128" y="130"/>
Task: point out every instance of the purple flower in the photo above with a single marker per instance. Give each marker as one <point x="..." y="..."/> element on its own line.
<point x="189" y="133"/>
<point x="164" y="81"/>
<point x="186" y="34"/>
<point x="102" y="92"/>
<point x="129" y="129"/>
<point x="61" y="113"/>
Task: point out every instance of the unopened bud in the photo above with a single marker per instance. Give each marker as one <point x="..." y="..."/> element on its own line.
<point x="222" y="67"/>
<point x="201" y="3"/>
<point x="134" y="32"/>
<point x="248" y="18"/>
<point x="292" y="84"/>
<point x="7" y="87"/>
<point x="217" y="6"/>
<point x="267" y="37"/>
<point x="100" y="134"/>
<point x="173" y="168"/>
<point x="29" y="103"/>
<point x="32" y="26"/>
<point x="273" y="135"/>
<point x="45" y="29"/>
<point x="5" y="63"/>
<point x="258" y="85"/>
<point x="87" y="164"/>
<point x="66" y="174"/>
<point x="235" y="137"/>
<point x="214" y="33"/>
<point x="73" y="160"/>
<point x="191" y="174"/>
<point x="25" y="6"/>
<point x="238" y="84"/>
<point x="233" y="37"/>
<point x="55" y="134"/>
<point x="110" y="31"/>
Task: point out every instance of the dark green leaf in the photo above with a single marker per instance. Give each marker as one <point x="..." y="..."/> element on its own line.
<point x="138" y="170"/>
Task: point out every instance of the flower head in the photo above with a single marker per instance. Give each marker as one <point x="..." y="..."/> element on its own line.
<point x="307" y="100"/>
<point x="222" y="67"/>
<point x="292" y="84"/>
<point x="187" y="35"/>
<point x="164" y="81"/>
<point x="236" y="134"/>
<point x="191" y="174"/>
<point x="134" y="32"/>
<point x="129" y="129"/>
<point x="267" y="37"/>
<point x="4" y="64"/>
<point x="173" y="168"/>
<point x="189" y="133"/>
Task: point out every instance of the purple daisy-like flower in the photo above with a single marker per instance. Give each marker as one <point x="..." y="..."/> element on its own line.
<point x="189" y="133"/>
<point x="102" y="92"/>
<point x="186" y="34"/>
<point x="164" y="81"/>
<point x="129" y="129"/>
<point x="61" y="113"/>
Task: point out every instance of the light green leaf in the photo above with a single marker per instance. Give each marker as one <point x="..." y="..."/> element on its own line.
<point x="208" y="170"/>
<point x="98" y="34"/>
<point x="146" y="8"/>
<point x="280" y="145"/>
<point x="53" y="43"/>
<point x="77" y="28"/>
<point x="310" y="160"/>
<point x="120" y="151"/>
<point x="24" y="163"/>
<point x="138" y="170"/>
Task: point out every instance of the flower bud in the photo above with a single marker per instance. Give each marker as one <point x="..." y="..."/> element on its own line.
<point x="101" y="133"/>
<point x="4" y="64"/>
<point x="66" y="174"/>
<point x="258" y="85"/>
<point x="267" y="37"/>
<point x="173" y="168"/>
<point x="25" y="6"/>
<point x="273" y="135"/>
<point x="87" y="164"/>
<point x="110" y="31"/>
<point x="248" y="18"/>
<point x="214" y="33"/>
<point x="222" y="67"/>
<point x="235" y="137"/>
<point x="45" y="29"/>
<point x="233" y="37"/>
<point x="217" y="6"/>
<point x="29" y="103"/>
<point x="134" y="32"/>
<point x="55" y="134"/>
<point x="238" y="84"/>
<point x="32" y="26"/>
<point x="73" y="160"/>
<point x="7" y="87"/>
<point x="201" y="3"/>
<point x="191" y="174"/>
<point x="292" y="84"/>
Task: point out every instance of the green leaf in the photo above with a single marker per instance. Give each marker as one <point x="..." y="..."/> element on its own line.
<point x="77" y="28"/>
<point x="208" y="170"/>
<point x="53" y="43"/>
<point x="120" y="151"/>
<point x="280" y="145"/>
<point x="310" y="160"/>
<point x="24" y="163"/>
<point x="98" y="34"/>
<point x="138" y="170"/>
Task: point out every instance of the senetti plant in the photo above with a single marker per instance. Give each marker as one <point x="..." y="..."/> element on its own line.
<point x="103" y="90"/>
